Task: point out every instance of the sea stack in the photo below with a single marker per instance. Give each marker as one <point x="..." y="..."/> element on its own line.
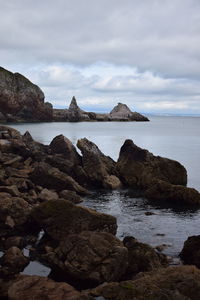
<point x="121" y="112"/>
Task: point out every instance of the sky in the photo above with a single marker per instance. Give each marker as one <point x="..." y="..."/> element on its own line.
<point x="142" y="53"/>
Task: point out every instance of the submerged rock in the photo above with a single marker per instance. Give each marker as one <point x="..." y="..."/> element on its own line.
<point x="61" y="218"/>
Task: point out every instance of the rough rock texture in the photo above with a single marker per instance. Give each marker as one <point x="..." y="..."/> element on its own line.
<point x="142" y="257"/>
<point x="61" y="218"/>
<point x="121" y="112"/>
<point x="50" y="177"/>
<point x="164" y="191"/>
<point x="62" y="145"/>
<point x="35" y="287"/>
<point x="138" y="167"/>
<point x="13" y="262"/>
<point x="99" y="168"/>
<point x="173" y="283"/>
<point x="89" y="258"/>
<point x="190" y="253"/>
<point x="21" y="100"/>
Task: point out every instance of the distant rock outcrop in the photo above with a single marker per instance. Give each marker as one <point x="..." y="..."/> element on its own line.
<point x="121" y="112"/>
<point x="21" y="100"/>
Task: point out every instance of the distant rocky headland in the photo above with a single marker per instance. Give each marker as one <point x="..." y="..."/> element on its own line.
<point x="23" y="101"/>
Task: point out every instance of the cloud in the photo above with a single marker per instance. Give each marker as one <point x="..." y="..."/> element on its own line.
<point x="138" y="51"/>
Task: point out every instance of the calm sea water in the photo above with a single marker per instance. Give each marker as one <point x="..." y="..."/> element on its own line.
<point x="173" y="137"/>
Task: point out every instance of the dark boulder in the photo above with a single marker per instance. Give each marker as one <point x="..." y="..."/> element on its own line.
<point x="89" y="258"/>
<point x="60" y="218"/>
<point x="190" y="253"/>
<point x="138" y="167"/>
<point x="99" y="168"/>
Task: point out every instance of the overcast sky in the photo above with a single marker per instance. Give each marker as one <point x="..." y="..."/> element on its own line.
<point x="145" y="53"/>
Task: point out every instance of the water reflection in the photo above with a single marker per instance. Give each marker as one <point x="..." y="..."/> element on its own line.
<point x="164" y="223"/>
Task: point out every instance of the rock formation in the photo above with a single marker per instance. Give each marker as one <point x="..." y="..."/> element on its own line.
<point x="21" y="100"/>
<point x="121" y="112"/>
<point x="190" y="253"/>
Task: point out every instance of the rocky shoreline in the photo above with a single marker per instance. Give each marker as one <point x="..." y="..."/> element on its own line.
<point x="40" y="187"/>
<point x="23" y="101"/>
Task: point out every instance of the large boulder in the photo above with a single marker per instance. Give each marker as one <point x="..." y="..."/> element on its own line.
<point x="22" y="99"/>
<point x="62" y="145"/>
<point x="60" y="218"/>
<point x="138" y="167"/>
<point x="28" y="287"/>
<point x="99" y="168"/>
<point x="173" y="283"/>
<point x="89" y="258"/>
<point x="142" y="257"/>
<point x="190" y="253"/>
<point x="52" y="178"/>
<point x="166" y="192"/>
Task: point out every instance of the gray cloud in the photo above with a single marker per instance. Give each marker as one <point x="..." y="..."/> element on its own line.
<point x="152" y="47"/>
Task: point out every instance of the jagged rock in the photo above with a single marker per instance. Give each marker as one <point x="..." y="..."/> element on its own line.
<point x="22" y="99"/>
<point x="142" y="257"/>
<point x="62" y="145"/>
<point x="173" y="283"/>
<point x="61" y="218"/>
<point x="89" y="258"/>
<point x="75" y="114"/>
<point x="13" y="262"/>
<point x="190" y="253"/>
<point x="138" y="167"/>
<point x="99" y="168"/>
<point x="28" y="287"/>
<point x="164" y="191"/>
<point x="50" y="177"/>
<point x="70" y="196"/>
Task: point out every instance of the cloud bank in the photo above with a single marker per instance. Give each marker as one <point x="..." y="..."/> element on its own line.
<point x="144" y="53"/>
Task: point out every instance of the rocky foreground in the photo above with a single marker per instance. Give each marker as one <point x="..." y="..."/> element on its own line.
<point x="40" y="187"/>
<point x="23" y="101"/>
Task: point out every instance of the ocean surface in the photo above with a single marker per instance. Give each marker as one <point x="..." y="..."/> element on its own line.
<point x="173" y="137"/>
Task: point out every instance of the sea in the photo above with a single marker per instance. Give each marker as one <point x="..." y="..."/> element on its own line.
<point x="174" y="137"/>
